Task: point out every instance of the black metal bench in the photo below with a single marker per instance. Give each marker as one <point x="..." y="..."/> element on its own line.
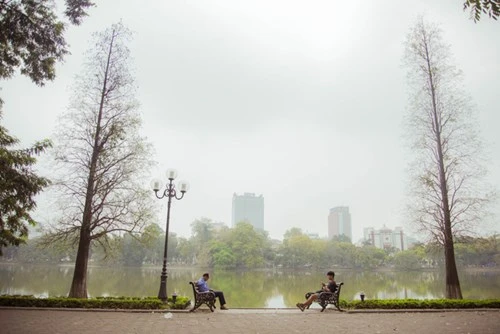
<point x="326" y="298"/>
<point x="207" y="298"/>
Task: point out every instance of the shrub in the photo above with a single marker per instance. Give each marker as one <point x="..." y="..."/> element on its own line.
<point x="421" y="304"/>
<point x="99" y="302"/>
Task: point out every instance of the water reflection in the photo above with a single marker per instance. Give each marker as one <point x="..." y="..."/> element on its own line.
<point x="272" y="289"/>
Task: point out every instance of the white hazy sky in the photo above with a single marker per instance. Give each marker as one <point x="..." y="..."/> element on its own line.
<point x="301" y="101"/>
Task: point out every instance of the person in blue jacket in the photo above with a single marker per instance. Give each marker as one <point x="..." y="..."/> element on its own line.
<point x="203" y="287"/>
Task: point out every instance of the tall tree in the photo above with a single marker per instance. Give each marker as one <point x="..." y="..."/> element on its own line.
<point x="19" y="184"/>
<point x="447" y="169"/>
<point x="101" y="156"/>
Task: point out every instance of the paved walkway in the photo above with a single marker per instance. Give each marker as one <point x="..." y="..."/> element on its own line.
<point x="20" y="321"/>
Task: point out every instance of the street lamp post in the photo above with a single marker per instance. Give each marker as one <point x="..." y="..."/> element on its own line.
<point x="169" y="192"/>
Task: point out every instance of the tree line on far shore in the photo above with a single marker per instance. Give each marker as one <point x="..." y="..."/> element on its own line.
<point x="243" y="247"/>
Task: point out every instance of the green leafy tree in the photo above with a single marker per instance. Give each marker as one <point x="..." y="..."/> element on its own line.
<point x="221" y="255"/>
<point x="341" y="238"/>
<point x="369" y="257"/>
<point x="33" y="251"/>
<point x="247" y="245"/>
<point x="202" y="233"/>
<point x="152" y="238"/>
<point x="294" y="231"/>
<point x="300" y="251"/>
<point x="478" y="7"/>
<point x="108" y="253"/>
<point x="133" y="251"/>
<point x="407" y="260"/>
<point x="187" y="250"/>
<point x="19" y="184"/>
<point x="202" y="230"/>
<point x="346" y="255"/>
<point x="477" y="251"/>
<point x="32" y="36"/>
<point x="32" y="40"/>
<point x="173" y="248"/>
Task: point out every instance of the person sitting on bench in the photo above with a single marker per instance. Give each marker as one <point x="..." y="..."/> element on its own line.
<point x="331" y="286"/>
<point x="203" y="287"/>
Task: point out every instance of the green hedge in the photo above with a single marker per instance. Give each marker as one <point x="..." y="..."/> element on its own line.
<point x="421" y="304"/>
<point x="99" y="302"/>
<point x="153" y="303"/>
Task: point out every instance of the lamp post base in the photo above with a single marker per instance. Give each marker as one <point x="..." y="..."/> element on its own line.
<point x="162" y="294"/>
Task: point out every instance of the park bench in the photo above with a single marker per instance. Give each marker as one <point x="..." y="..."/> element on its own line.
<point x="326" y="298"/>
<point x="207" y="298"/>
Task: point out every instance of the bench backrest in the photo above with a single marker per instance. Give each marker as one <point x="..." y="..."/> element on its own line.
<point x="339" y="286"/>
<point x="195" y="288"/>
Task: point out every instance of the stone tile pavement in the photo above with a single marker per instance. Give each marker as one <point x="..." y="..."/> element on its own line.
<point x="20" y="321"/>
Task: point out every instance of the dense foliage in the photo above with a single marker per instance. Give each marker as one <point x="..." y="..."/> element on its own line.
<point x="19" y="184"/>
<point x="422" y="304"/>
<point x="223" y="248"/>
<point x="97" y="303"/>
<point x="478" y="7"/>
<point x="32" y="36"/>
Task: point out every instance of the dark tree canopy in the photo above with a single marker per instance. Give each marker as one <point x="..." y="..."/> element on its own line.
<point x="76" y="10"/>
<point x="478" y="7"/>
<point x="32" y="36"/>
<point x="18" y="187"/>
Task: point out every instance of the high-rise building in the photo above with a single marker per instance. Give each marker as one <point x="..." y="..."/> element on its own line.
<point x="339" y="222"/>
<point x="250" y="208"/>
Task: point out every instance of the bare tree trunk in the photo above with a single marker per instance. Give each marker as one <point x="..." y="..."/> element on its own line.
<point x="79" y="284"/>
<point x="453" y="290"/>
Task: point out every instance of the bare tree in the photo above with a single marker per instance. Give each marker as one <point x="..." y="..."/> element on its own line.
<point x="447" y="170"/>
<point x="100" y="155"/>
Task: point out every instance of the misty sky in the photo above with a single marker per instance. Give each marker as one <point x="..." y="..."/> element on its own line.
<point x="301" y="101"/>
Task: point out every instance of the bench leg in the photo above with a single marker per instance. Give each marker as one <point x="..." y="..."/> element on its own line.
<point x="337" y="304"/>
<point x="197" y="304"/>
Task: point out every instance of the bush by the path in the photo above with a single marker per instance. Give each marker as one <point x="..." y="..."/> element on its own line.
<point x="421" y="304"/>
<point x="99" y="302"/>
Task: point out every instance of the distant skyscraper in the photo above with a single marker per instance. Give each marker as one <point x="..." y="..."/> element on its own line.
<point x="250" y="208"/>
<point x="339" y="222"/>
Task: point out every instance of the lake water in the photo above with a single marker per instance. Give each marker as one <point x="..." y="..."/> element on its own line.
<point x="268" y="289"/>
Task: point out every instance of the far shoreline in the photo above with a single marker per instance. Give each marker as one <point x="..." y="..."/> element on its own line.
<point x="275" y="269"/>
